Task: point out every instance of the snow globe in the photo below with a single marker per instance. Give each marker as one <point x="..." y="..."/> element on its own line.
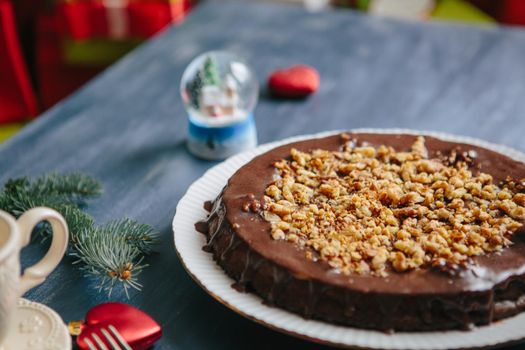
<point x="219" y="91"/>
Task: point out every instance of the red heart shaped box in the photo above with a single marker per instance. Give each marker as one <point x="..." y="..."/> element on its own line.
<point x="136" y="327"/>
<point x="294" y="82"/>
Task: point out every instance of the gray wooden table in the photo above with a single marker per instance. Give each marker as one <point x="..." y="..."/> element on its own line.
<point x="127" y="128"/>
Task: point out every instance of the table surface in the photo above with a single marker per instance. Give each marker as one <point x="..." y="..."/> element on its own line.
<point x="128" y="126"/>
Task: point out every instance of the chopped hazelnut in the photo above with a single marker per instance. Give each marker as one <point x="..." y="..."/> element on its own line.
<point x="374" y="210"/>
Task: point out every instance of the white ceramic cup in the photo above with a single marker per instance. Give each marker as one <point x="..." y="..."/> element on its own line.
<point x="14" y="235"/>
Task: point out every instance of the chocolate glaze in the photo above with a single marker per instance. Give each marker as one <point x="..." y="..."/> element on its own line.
<point x="490" y="288"/>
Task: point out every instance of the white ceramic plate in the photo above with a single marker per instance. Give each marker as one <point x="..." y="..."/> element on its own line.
<point x="211" y="277"/>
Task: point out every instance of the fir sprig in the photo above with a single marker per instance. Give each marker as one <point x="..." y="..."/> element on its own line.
<point x="106" y="252"/>
<point x="78" y="222"/>
<point x="112" y="253"/>
<point x="74" y="188"/>
<point x="138" y="235"/>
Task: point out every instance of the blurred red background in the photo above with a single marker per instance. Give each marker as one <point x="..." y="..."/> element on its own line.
<point x="49" y="48"/>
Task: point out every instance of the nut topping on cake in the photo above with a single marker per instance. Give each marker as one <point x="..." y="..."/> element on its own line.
<point x="371" y="210"/>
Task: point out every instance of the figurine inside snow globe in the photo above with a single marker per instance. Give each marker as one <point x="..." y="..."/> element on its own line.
<point x="219" y="91"/>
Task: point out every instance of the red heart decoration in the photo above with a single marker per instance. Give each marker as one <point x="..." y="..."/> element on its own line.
<point x="135" y="326"/>
<point x="294" y="82"/>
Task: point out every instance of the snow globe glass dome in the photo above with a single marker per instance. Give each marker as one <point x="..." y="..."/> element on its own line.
<point x="219" y="92"/>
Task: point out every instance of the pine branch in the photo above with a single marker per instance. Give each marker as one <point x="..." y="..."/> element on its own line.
<point x="77" y="222"/>
<point x="19" y="202"/>
<point x="106" y="253"/>
<point x="140" y="236"/>
<point x="22" y="194"/>
<point x="63" y="193"/>
<point x="74" y="188"/>
<point x="112" y="253"/>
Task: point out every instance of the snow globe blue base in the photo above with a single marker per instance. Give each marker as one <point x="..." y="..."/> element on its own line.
<point x="221" y="142"/>
<point x="219" y="91"/>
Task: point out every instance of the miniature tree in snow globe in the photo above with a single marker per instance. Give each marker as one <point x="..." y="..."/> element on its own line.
<point x="219" y="91"/>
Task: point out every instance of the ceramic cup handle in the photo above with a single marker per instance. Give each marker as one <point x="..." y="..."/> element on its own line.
<point x="37" y="273"/>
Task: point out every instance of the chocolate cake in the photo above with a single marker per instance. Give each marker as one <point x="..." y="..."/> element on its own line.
<point x="377" y="231"/>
